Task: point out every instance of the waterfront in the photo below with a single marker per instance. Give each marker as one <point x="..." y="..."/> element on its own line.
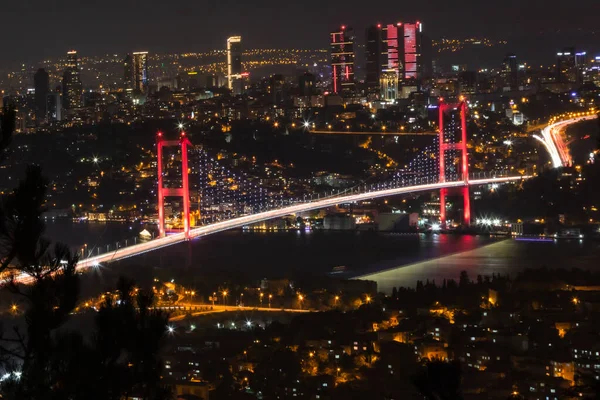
<point x="389" y="259"/>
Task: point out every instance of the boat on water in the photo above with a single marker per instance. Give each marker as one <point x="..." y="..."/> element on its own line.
<point x="569" y="234"/>
<point x="338" y="270"/>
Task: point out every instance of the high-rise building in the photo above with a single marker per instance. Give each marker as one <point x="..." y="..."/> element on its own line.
<point x="566" y="71"/>
<point x="467" y="82"/>
<point x="306" y="84"/>
<point x="394" y="57"/>
<point x="41" y="83"/>
<point x="71" y="83"/>
<point x="54" y="107"/>
<point x="581" y="64"/>
<point x="413" y="67"/>
<point x="427" y="61"/>
<point x="140" y="71"/>
<point x="234" y="64"/>
<point x="391" y="63"/>
<point x="375" y="55"/>
<point x="342" y="61"/>
<point x="510" y="72"/>
<point x="128" y="72"/>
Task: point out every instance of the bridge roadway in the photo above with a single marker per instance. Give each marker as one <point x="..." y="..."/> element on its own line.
<point x="207" y="309"/>
<point x="239" y="222"/>
<point x="380" y="133"/>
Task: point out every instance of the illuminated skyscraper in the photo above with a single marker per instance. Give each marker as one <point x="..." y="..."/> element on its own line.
<point x="71" y="83"/>
<point x="342" y="61"/>
<point x="140" y="71"/>
<point x="234" y="64"/>
<point x="41" y="83"/>
<point x="393" y="57"/>
<point x="413" y="67"/>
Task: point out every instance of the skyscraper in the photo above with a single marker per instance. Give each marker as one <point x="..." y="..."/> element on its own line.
<point x="413" y="67"/>
<point x="581" y="61"/>
<point x="54" y="107"/>
<point x="374" y="58"/>
<point x="234" y="64"/>
<point x="71" y="83"/>
<point x="510" y="71"/>
<point x="41" y="83"/>
<point x="342" y="61"/>
<point x="128" y="72"/>
<point x="140" y="71"/>
<point x="565" y="66"/>
<point x="393" y="57"/>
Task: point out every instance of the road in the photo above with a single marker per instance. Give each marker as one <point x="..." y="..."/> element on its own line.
<point x="206" y="310"/>
<point x="553" y="139"/>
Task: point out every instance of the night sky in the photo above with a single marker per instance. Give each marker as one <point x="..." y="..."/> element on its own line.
<point x="34" y="29"/>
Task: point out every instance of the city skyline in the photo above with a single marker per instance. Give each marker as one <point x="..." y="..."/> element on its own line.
<point x="267" y="18"/>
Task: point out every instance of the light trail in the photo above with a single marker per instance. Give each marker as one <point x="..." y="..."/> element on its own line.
<point x="552" y="137"/>
<point x="239" y="222"/>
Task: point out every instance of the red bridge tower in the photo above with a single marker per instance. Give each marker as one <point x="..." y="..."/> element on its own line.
<point x="183" y="192"/>
<point x="460" y="146"/>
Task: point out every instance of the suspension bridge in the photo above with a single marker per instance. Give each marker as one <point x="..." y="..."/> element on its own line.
<point x="359" y="194"/>
<point x="230" y="200"/>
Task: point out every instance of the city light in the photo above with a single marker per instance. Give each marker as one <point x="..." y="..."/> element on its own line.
<point x="170" y="329"/>
<point x="436" y="227"/>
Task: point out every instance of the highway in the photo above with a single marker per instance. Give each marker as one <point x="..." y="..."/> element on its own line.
<point x="553" y="139"/>
<point x="239" y="222"/>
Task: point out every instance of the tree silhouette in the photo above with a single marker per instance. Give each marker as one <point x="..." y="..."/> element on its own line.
<point x="439" y="380"/>
<point x="43" y="359"/>
<point x="7" y="128"/>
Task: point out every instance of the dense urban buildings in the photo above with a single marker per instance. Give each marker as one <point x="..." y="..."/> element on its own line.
<point x="356" y="181"/>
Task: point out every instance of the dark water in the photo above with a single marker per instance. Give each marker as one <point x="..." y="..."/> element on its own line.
<point x="389" y="259"/>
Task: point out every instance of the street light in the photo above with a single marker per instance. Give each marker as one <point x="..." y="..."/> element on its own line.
<point x="261" y="298"/>
<point x="336" y="299"/>
<point x="368" y="299"/>
<point x="224" y="293"/>
<point x="300" y="299"/>
<point x="270" y="297"/>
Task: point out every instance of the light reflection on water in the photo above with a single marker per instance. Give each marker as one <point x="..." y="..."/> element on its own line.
<point x="504" y="257"/>
<point x="390" y="259"/>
